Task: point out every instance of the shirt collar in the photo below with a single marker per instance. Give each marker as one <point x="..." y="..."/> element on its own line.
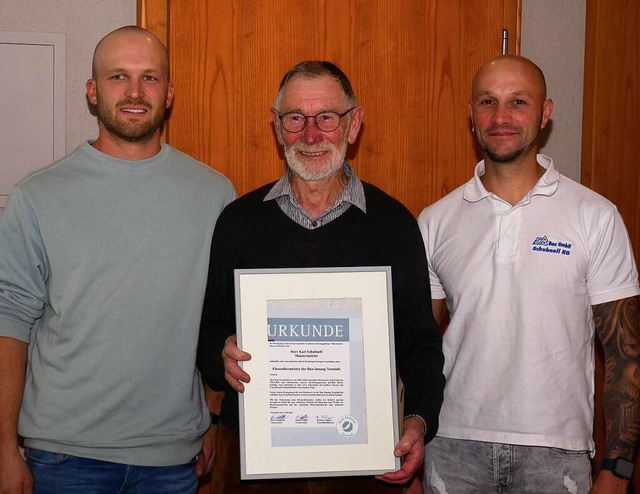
<point x="353" y="193"/>
<point x="547" y="185"/>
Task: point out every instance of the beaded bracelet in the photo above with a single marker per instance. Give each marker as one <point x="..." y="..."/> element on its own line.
<point x="418" y="416"/>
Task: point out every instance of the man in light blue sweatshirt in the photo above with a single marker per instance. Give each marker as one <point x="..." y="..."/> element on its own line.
<point x="103" y="265"/>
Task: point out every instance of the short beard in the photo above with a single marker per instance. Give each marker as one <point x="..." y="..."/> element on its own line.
<point x="129" y="132"/>
<point x="508" y="157"/>
<point x="298" y="167"/>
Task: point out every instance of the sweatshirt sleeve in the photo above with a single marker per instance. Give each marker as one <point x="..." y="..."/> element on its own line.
<point x="23" y="268"/>
<point x="218" y="313"/>
<point x="418" y="341"/>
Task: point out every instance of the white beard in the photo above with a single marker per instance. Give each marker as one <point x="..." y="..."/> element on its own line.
<point x="330" y="165"/>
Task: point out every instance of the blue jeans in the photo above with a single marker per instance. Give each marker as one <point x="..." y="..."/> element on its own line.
<point x="455" y="466"/>
<point x="57" y="473"/>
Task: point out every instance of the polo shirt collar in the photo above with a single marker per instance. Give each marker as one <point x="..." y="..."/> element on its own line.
<point x="547" y="185"/>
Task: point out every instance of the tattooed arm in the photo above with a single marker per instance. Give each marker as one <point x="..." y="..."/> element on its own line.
<point x="618" y="327"/>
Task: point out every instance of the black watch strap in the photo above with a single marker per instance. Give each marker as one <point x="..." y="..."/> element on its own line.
<point x="215" y="418"/>
<point x="620" y="467"/>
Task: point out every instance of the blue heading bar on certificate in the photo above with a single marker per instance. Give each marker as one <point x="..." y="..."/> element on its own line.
<point x="307" y="329"/>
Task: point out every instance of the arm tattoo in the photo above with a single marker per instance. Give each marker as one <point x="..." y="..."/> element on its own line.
<point x="617" y="325"/>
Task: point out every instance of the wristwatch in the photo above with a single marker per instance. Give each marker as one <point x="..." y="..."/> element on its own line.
<point x="620" y="467"/>
<point x="215" y="418"/>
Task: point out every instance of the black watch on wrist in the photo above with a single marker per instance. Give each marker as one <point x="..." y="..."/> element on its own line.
<point x="215" y="418"/>
<point x="620" y="467"/>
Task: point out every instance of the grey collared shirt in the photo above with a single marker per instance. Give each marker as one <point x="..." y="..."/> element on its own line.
<point x="353" y="194"/>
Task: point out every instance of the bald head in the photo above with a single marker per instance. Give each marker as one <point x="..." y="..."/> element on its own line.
<point x="508" y="108"/>
<point x="506" y="64"/>
<point x="130" y="92"/>
<point x="129" y="34"/>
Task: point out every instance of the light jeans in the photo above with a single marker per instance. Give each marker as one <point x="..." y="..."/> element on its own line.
<point x="455" y="466"/>
<point x="57" y="473"/>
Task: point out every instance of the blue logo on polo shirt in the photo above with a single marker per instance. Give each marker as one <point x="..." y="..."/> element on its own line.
<point x="544" y="245"/>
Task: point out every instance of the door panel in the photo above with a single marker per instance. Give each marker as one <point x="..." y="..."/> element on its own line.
<point x="610" y="144"/>
<point x="410" y="61"/>
<point x="32" y="69"/>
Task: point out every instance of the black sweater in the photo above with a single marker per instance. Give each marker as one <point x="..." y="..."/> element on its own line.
<point x="251" y="233"/>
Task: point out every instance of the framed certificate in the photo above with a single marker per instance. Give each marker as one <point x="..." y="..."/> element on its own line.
<point x="322" y="399"/>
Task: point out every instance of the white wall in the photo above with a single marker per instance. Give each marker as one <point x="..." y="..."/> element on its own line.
<point x="553" y="35"/>
<point x="84" y="23"/>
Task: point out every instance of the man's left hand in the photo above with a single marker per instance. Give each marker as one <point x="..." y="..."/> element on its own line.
<point x="411" y="449"/>
<point x="608" y="483"/>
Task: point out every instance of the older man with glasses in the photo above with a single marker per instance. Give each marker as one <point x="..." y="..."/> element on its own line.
<point x="320" y="214"/>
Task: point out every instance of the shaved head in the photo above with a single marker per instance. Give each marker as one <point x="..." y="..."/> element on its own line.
<point x="143" y="34"/>
<point x="509" y="62"/>
<point x="130" y="91"/>
<point x="508" y="108"/>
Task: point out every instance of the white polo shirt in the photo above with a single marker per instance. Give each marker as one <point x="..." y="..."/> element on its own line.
<point x="520" y="282"/>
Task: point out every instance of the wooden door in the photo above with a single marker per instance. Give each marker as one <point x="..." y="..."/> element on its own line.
<point x="410" y="61"/>
<point x="610" y="143"/>
<point x="611" y="148"/>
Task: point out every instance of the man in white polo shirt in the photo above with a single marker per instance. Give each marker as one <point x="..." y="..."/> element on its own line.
<point x="529" y="265"/>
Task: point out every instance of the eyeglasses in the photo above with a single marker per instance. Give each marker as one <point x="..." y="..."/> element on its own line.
<point x="326" y="121"/>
